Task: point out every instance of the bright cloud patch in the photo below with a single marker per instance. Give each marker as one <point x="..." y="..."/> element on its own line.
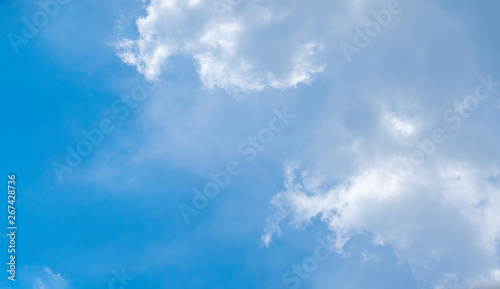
<point x="239" y="45"/>
<point x="444" y="220"/>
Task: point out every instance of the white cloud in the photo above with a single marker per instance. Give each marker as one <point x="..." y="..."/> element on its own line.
<point x="398" y="126"/>
<point x="442" y="220"/>
<point x="248" y="47"/>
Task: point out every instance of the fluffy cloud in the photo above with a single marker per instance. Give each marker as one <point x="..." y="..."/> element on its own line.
<point x="442" y="219"/>
<point x="239" y="45"/>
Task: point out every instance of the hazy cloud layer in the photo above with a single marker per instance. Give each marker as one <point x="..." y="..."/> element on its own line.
<point x="351" y="170"/>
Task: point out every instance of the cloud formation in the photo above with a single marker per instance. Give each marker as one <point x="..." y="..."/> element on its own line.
<point x="439" y="214"/>
<point x="238" y="45"/>
<point x="442" y="219"/>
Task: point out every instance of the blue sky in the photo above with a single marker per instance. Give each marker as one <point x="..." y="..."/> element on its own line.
<point x="354" y="144"/>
